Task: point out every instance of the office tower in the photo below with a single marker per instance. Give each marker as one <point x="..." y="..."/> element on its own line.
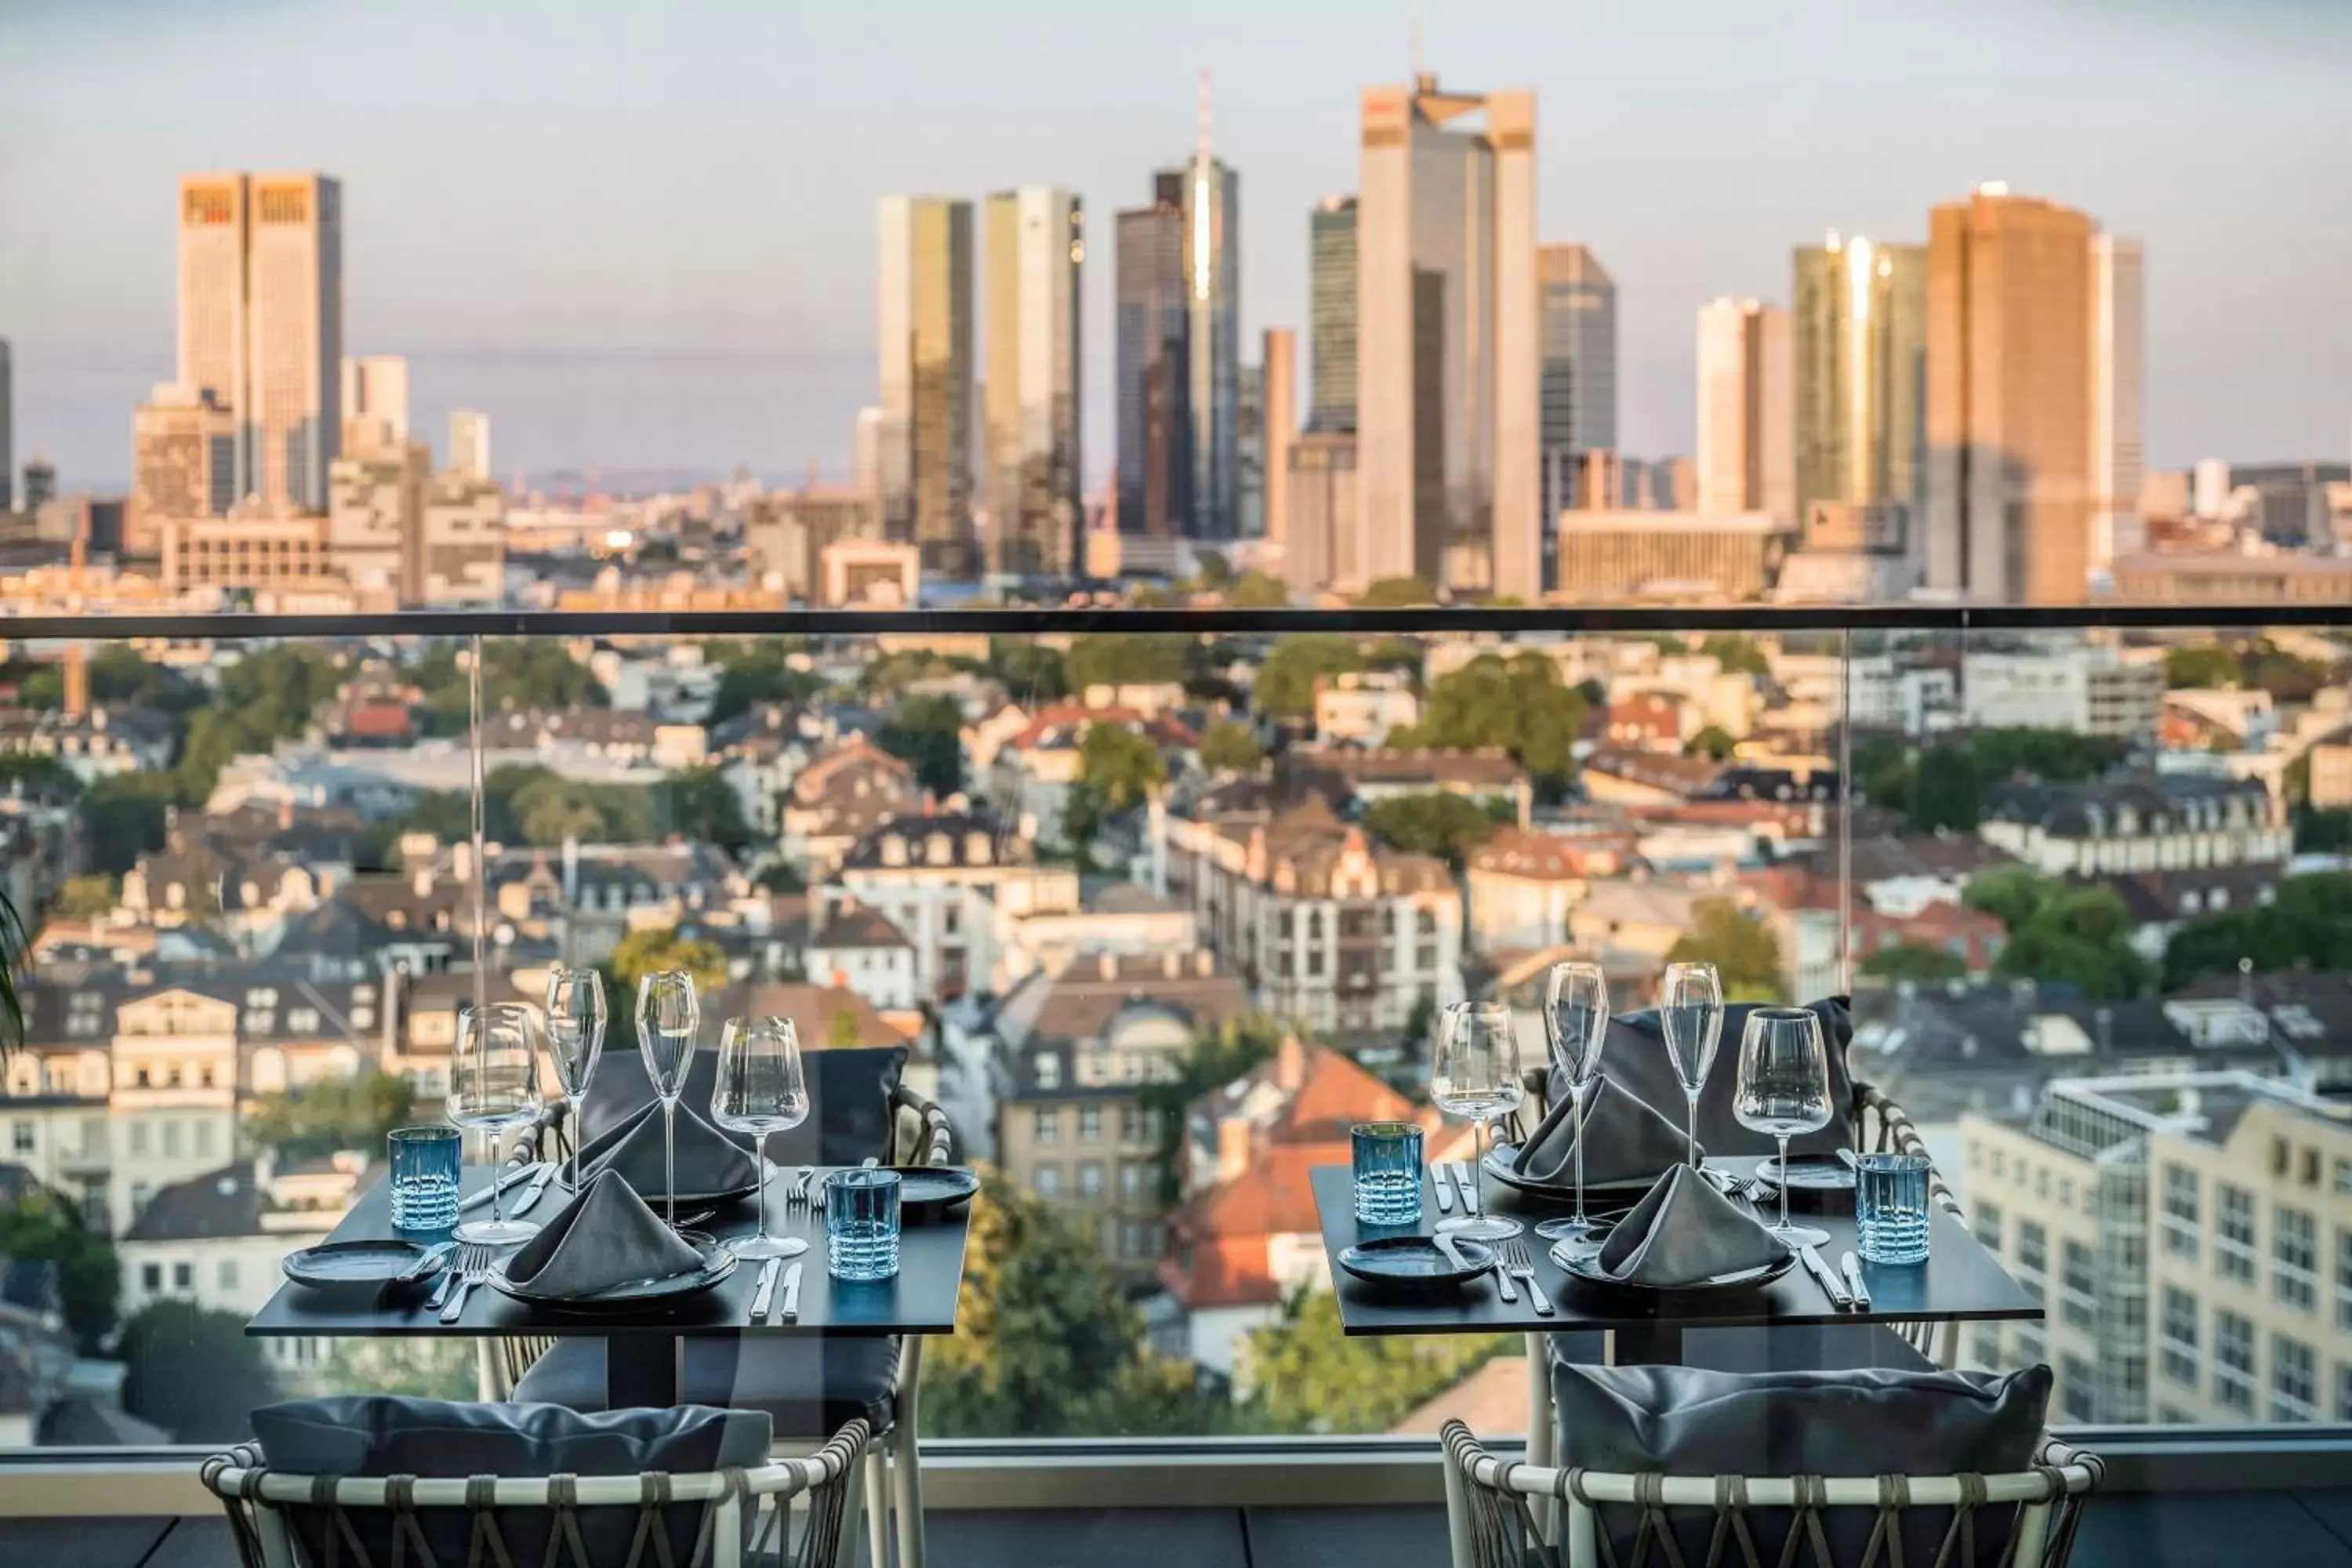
<point x="1153" y="330"/>
<point x="1447" y="340"/>
<point x="1576" y="393"/>
<point x="375" y="523"/>
<point x="1320" y="544"/>
<point x="7" y="430"/>
<point x="1207" y="193"/>
<point x="1331" y="313"/>
<point x="1861" y="351"/>
<point x="1744" y="450"/>
<point x="1036" y="243"/>
<point x="294" y="332"/>
<point x="40" y="483"/>
<point x="927" y="412"/>
<point x="463" y="551"/>
<point x="182" y="462"/>
<point x="469" y="443"/>
<point x="2118" y="397"/>
<point x="375" y="404"/>
<point x="2008" y="399"/>
<point x="865" y="459"/>
<point x="1250" y="421"/>
<point x="2212" y="486"/>
<point x="1673" y="483"/>
<point x="212" y="342"/>
<point x="1278" y="370"/>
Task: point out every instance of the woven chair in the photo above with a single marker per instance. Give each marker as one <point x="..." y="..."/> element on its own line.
<point x="321" y="1521"/>
<point x="2022" y="1520"/>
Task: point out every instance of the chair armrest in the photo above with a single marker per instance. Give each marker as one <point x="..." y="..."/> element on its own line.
<point x="920" y="1134"/>
<point x="1883" y="1127"/>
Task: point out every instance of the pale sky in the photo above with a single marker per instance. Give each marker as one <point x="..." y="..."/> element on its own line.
<point x="640" y="233"/>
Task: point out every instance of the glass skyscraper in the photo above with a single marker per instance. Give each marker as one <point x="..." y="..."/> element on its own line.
<point x="1206" y="192"/>
<point x="1331" y="313"/>
<point x="1153" y="334"/>
<point x="1578" y="397"/>
<point x="925" y="343"/>
<point x="1861" y="351"/>
<point x="1036" y="243"/>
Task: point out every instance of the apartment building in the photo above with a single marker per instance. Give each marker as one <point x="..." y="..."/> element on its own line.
<point x="939" y="875"/>
<point x="2160" y="822"/>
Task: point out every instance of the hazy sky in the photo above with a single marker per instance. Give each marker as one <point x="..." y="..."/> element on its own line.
<point x="640" y="233"/>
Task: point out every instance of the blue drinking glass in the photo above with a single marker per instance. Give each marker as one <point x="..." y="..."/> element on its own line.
<point x="1388" y="1172"/>
<point x="1890" y="1208"/>
<point x="425" y="1164"/>
<point x="861" y="1223"/>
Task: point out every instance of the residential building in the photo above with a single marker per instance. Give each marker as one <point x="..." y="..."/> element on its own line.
<point x="1860" y="351"/>
<point x="1153" y="495"/>
<point x="257" y="546"/>
<point x="1331" y="315"/>
<point x="2009" y="334"/>
<point x="375" y="404"/>
<point x="375" y="521"/>
<point x="1278" y="430"/>
<point x="1348" y="774"/>
<point x="787" y="532"/>
<point x="1448" y="340"/>
<point x="461" y="548"/>
<point x="2227" y="577"/>
<point x="184" y="446"/>
<point x="2291" y="502"/>
<point x="1578" y="397"/>
<point x="1522" y="884"/>
<point x="1360" y="709"/>
<point x="470" y="444"/>
<point x="2119" y="398"/>
<point x="1036" y="246"/>
<point x="2154" y="823"/>
<point x="1616" y="555"/>
<point x="92" y="743"/>
<point x="1206" y="194"/>
<point x="1745" y="445"/>
<point x="1123" y="918"/>
<point x="2087" y="688"/>
<point x="934" y="875"/>
<point x="925" y="344"/>
<point x="839" y="799"/>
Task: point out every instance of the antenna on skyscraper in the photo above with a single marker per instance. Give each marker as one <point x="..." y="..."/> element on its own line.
<point x="1208" y="115"/>
<point x="1413" y="37"/>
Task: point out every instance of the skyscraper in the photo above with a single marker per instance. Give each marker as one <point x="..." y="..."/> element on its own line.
<point x="1578" y="392"/>
<point x="1331" y="313"/>
<point x="1447" y="340"/>
<point x="7" y="430"/>
<point x="182" y="463"/>
<point x="2009" y="398"/>
<point x="1250" y="424"/>
<point x="1208" y="194"/>
<point x="1153" y="332"/>
<point x="925" y="376"/>
<point x="469" y="443"/>
<point x="1861" y="329"/>
<point x="1745" y="456"/>
<point x="1036" y="243"/>
<point x="1279" y="367"/>
<point x="375" y="404"/>
<point x="2119" y="398"/>
<point x="211" y="334"/>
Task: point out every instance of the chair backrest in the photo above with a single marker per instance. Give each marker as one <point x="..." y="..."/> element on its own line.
<point x="1496" y="1513"/>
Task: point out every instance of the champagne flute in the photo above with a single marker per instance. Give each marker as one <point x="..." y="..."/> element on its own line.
<point x="760" y="1090"/>
<point x="1476" y="1075"/>
<point x="1783" y="1088"/>
<point x="575" y="1043"/>
<point x="494" y="1089"/>
<point x="1576" y="1022"/>
<point x="668" y="1014"/>
<point x="1690" y="1007"/>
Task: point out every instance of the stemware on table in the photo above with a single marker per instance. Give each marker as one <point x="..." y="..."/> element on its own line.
<point x="494" y="1089"/>
<point x="1576" y="1024"/>
<point x="1475" y="1075"/>
<point x="668" y="1014"/>
<point x="575" y="1043"/>
<point x="760" y="1088"/>
<point x="1783" y="1088"/>
<point x="1690" y="1011"/>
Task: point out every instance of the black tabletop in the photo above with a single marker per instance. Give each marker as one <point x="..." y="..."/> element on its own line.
<point x="920" y="1301"/>
<point x="1959" y="1281"/>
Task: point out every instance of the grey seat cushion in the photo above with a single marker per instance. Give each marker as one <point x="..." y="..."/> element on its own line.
<point x="850" y="1117"/>
<point x="805" y="1387"/>
<point x="1634" y="1057"/>
<point x="1794" y="1347"/>
<point x="387" y="1435"/>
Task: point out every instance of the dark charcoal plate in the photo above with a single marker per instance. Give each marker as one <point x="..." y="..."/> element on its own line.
<point x="1586" y="1272"/>
<point x="1814" y="1180"/>
<point x="1620" y="1195"/>
<point x="362" y="1271"/>
<point x="1416" y="1265"/>
<point x="930" y="1191"/>
<point x="717" y="1264"/>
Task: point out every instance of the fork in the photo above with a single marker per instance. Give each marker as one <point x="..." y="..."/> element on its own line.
<point x="474" y="1269"/>
<point x="1516" y="1261"/>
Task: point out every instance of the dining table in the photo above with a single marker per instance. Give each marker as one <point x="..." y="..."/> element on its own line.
<point x="644" y="1344"/>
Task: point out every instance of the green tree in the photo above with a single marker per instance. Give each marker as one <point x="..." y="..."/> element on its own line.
<point x="759" y="671"/>
<point x="1314" y="1377"/>
<point x="1946" y="791"/>
<point x="124" y="817"/>
<point x="2012" y="894"/>
<point x="88" y="898"/>
<point x="540" y="805"/>
<point x="702" y="805"/>
<point x="2307" y="924"/>
<point x="1213" y="571"/>
<point x="2288" y="677"/>
<point x="1737" y="654"/>
<point x="2200" y="664"/>
<point x="651" y="947"/>
<point x="2061" y="935"/>
<point x="2318" y="832"/>
<point x="192" y="1371"/>
<point x="318" y="1118"/>
<point x="414" y="1368"/>
<point x="1713" y="741"/>
<point x="1228" y="747"/>
<point x="1432" y="822"/>
<point x="1397" y="593"/>
<point x="1031" y="671"/>
<point x="1400" y="655"/>
<point x="1882" y="770"/>
<point x="1518" y="705"/>
<point x="1119" y="765"/>
<point x="1216" y="1056"/>
<point x="1743" y="949"/>
<point x="1126" y="659"/>
<point x="36" y="777"/>
<point x="1257" y="591"/>
<point x="519" y="674"/>
<point x="926" y="730"/>
<point x="1914" y="961"/>
<point x="1284" y="687"/>
<point x="41" y="1228"/>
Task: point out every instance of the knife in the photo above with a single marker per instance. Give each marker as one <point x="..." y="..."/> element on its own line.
<point x="767" y="1288"/>
<point x="1468" y="1187"/>
<point x="532" y="1193"/>
<point x="1442" y="1178"/>
<point x="425" y="1264"/>
<point x="791" y="1308"/>
<point x="1853" y="1266"/>
<point x="1822" y="1277"/>
<point x="520" y="1173"/>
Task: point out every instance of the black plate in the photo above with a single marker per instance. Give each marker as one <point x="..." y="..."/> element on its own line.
<point x="1813" y="1179"/>
<point x="930" y="1191"/>
<point x="718" y="1263"/>
<point x="1415" y="1264"/>
<point x="364" y="1269"/>
<point x="1587" y="1271"/>
<point x="1620" y="1194"/>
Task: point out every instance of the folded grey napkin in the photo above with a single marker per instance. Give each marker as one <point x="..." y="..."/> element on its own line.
<point x="708" y="1160"/>
<point x="1626" y="1139"/>
<point x="1683" y="1232"/>
<point x="603" y="1237"/>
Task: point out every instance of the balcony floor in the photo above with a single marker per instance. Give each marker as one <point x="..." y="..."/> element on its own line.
<point x="2309" y="1529"/>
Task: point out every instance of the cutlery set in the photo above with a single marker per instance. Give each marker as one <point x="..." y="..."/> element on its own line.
<point x="1451" y="1178"/>
<point x="763" y="1298"/>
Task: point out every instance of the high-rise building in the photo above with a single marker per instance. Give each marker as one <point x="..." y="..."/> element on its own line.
<point x="1320" y="542"/>
<point x="2008" y="399"/>
<point x="2119" y="398"/>
<point x="1578" y="393"/>
<point x="1154" y="493"/>
<point x="7" y="430"/>
<point x="182" y="463"/>
<point x="1036" y="243"/>
<point x="1278" y="370"/>
<point x="1861" y="352"/>
<point x="1208" y="192"/>
<point x="1331" y="313"/>
<point x="1447" y="340"/>
<point x="375" y="404"/>
<point x="212" y="342"/>
<point x="1251" y="423"/>
<point x="375" y="523"/>
<point x="1745" y="453"/>
<point x="865" y="459"/>
<point x="469" y="443"/>
<point x="927" y="410"/>
<point x="40" y="483"/>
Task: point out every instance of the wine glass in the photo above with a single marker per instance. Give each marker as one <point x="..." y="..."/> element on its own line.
<point x="1784" y="1089"/>
<point x="1476" y="1075"/>
<point x="575" y="1043"/>
<point x="1690" y="1006"/>
<point x="668" y="1014"/>
<point x="760" y="1090"/>
<point x="1576" y="1022"/>
<point x="494" y="1089"/>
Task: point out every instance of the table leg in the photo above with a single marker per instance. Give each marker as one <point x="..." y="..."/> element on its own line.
<point x="1540" y="1424"/>
<point x="1660" y="1344"/>
<point x="641" y="1371"/>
